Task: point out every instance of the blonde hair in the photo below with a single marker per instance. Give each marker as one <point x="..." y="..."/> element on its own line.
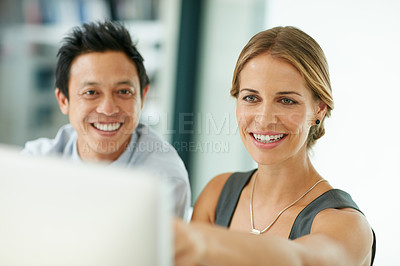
<point x="300" y="50"/>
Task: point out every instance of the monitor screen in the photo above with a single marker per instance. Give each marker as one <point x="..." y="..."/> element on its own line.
<point x="54" y="212"/>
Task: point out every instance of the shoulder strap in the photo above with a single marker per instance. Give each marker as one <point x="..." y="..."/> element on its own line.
<point x="332" y="199"/>
<point x="229" y="197"/>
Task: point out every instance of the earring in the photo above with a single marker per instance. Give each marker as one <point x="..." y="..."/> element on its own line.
<point x="317" y="122"/>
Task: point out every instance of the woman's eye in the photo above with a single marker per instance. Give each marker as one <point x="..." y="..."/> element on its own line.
<point x="250" y="98"/>
<point x="288" y="101"/>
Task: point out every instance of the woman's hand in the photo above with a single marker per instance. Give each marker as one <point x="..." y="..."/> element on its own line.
<point x="189" y="244"/>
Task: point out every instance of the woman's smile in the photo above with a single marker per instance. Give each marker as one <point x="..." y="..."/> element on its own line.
<point x="274" y="109"/>
<point x="267" y="141"/>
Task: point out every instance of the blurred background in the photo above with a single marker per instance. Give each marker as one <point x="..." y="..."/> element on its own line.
<point x="190" y="49"/>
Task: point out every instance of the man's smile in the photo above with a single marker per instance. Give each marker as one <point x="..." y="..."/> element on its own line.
<point x="109" y="127"/>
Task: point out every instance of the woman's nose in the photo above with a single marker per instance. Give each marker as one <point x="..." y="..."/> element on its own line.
<point x="266" y="115"/>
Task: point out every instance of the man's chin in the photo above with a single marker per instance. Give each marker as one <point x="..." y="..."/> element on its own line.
<point x="102" y="150"/>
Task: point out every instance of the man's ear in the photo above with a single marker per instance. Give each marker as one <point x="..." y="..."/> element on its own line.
<point x="62" y="101"/>
<point x="144" y="92"/>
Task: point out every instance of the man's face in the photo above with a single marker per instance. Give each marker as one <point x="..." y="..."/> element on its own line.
<point x="104" y="103"/>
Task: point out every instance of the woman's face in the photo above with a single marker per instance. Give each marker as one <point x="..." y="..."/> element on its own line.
<point x="275" y="110"/>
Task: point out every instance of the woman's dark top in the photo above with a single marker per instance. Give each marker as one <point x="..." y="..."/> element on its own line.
<point x="332" y="199"/>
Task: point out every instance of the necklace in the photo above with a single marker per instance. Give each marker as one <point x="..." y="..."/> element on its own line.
<point x="258" y="232"/>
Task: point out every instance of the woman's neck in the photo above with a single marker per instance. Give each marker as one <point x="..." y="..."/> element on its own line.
<point x="287" y="179"/>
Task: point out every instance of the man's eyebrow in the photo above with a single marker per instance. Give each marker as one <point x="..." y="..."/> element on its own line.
<point x="94" y="83"/>
<point x="125" y="82"/>
<point x="90" y="83"/>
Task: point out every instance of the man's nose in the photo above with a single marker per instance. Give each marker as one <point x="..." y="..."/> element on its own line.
<point x="108" y="106"/>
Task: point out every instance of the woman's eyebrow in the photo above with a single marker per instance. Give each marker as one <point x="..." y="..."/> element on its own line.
<point x="288" y="92"/>
<point x="249" y="90"/>
<point x="278" y="93"/>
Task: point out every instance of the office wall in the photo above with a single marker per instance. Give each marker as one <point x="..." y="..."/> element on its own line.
<point x="227" y="26"/>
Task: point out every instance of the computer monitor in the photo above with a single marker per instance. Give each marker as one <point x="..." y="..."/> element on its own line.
<point x="54" y="212"/>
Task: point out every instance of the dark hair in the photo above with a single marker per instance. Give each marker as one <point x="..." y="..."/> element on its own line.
<point x="96" y="37"/>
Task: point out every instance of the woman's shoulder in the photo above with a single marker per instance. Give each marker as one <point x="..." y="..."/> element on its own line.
<point x="206" y="203"/>
<point x="339" y="225"/>
<point x="218" y="182"/>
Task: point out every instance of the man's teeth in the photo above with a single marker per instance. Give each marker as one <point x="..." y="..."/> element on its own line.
<point x="268" y="138"/>
<point x="107" y="127"/>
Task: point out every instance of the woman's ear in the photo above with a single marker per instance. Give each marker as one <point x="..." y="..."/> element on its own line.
<point x="62" y="101"/>
<point x="321" y="110"/>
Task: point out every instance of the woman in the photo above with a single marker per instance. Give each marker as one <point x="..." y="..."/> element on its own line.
<point x="283" y="212"/>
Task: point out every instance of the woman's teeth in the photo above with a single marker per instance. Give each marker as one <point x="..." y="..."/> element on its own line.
<point x="268" y="138"/>
<point x="107" y="127"/>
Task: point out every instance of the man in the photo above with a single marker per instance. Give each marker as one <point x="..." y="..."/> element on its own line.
<point x="101" y="84"/>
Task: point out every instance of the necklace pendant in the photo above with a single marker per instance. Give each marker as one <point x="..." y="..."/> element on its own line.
<point x="255" y="231"/>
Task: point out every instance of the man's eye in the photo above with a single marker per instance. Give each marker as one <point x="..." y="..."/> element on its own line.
<point x="250" y="98"/>
<point x="125" y="92"/>
<point x="91" y="92"/>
